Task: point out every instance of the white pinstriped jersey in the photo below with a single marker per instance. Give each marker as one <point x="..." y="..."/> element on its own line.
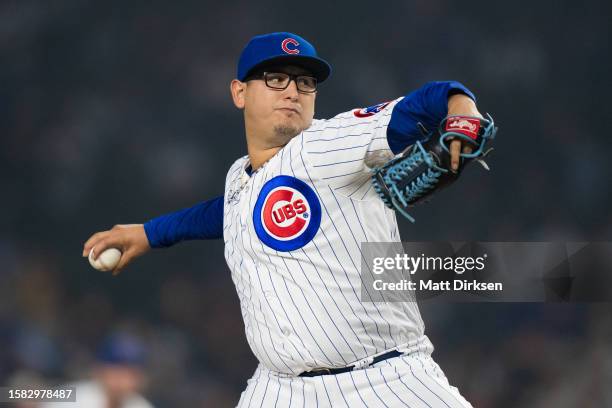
<point x="292" y="233"/>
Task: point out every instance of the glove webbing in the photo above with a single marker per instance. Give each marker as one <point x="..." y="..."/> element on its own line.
<point x="407" y="190"/>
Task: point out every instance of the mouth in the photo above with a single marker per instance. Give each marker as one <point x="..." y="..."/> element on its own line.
<point x="290" y="110"/>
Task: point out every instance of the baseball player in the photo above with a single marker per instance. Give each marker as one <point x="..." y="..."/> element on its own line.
<point x="295" y="210"/>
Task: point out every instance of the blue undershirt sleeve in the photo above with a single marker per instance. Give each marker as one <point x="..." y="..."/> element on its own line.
<point x="428" y="105"/>
<point x="202" y="221"/>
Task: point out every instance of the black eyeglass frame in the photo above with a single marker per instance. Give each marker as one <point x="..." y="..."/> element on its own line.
<point x="263" y="75"/>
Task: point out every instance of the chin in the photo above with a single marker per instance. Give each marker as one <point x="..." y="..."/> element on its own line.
<point x="287" y="131"/>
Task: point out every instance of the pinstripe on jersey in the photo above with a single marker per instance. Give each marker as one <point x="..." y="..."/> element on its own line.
<point x="302" y="307"/>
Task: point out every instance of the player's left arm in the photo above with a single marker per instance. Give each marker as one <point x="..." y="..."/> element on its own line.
<point x="427" y="106"/>
<point x="344" y="148"/>
<point x="433" y="161"/>
<point x="460" y="104"/>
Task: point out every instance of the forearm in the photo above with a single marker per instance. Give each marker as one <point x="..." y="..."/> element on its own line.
<point x="427" y="105"/>
<point x="461" y="104"/>
<point x="202" y="221"/>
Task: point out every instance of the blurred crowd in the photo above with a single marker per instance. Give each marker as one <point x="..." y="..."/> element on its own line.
<point x="115" y="112"/>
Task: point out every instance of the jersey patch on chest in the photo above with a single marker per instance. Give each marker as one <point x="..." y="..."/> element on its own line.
<point x="287" y="214"/>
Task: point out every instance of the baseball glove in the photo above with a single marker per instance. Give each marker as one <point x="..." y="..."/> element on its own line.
<point x="425" y="167"/>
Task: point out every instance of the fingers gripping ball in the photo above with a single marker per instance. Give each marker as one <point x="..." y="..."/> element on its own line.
<point x="107" y="260"/>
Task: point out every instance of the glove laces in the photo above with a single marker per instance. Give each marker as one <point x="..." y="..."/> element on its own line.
<point x="415" y="188"/>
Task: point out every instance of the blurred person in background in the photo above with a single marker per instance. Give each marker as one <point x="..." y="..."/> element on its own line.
<point x="26" y="379"/>
<point x="117" y="377"/>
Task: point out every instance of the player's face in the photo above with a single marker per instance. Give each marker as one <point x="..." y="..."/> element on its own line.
<point x="119" y="381"/>
<point x="279" y="114"/>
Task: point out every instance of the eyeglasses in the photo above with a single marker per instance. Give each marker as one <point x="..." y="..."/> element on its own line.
<point x="280" y="81"/>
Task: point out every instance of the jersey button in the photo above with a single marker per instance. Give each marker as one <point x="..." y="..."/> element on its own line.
<point x="286" y="332"/>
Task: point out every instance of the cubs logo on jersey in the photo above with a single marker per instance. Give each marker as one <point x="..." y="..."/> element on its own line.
<point x="287" y="214"/>
<point x="370" y="111"/>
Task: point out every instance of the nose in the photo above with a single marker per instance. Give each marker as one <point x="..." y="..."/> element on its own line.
<point x="291" y="92"/>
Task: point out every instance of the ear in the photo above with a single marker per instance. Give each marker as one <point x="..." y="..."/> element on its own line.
<point x="238" y="89"/>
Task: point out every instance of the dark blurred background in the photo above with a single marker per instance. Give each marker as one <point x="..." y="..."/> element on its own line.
<point x="114" y="112"/>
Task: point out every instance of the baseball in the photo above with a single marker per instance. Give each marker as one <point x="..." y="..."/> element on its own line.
<point x="106" y="261"/>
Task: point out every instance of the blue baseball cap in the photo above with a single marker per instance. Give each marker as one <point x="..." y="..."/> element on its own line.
<point x="281" y="48"/>
<point x="121" y="349"/>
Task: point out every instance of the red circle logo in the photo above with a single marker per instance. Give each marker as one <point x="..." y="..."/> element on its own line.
<point x="292" y="50"/>
<point x="285" y="213"/>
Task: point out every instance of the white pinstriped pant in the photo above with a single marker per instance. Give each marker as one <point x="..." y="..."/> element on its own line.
<point x="413" y="380"/>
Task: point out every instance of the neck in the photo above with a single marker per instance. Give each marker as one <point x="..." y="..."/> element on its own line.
<point x="261" y="149"/>
<point x="258" y="157"/>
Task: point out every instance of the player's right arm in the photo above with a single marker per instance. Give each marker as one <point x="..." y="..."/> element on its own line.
<point x="202" y="221"/>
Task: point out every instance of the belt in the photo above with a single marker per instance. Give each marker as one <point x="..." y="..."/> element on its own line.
<point x="334" y="371"/>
